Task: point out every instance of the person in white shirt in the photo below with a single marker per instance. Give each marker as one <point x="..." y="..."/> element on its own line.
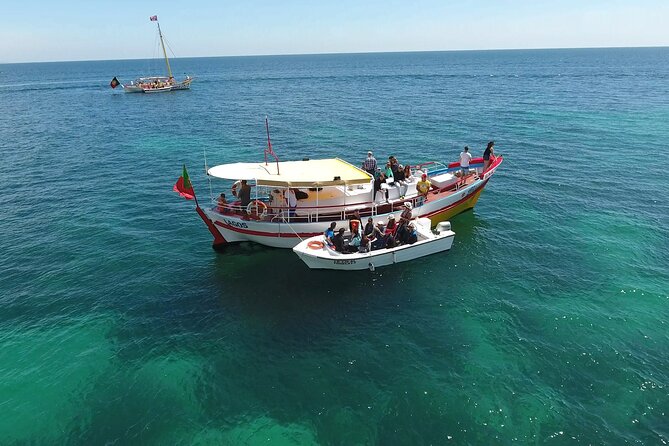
<point x="465" y="158"/>
<point x="292" y="202"/>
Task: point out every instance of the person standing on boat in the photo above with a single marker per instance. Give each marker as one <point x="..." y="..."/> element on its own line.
<point x="244" y="194"/>
<point x="488" y="155"/>
<point x="369" y="165"/>
<point x="292" y="202"/>
<point x="465" y="159"/>
<point x="423" y="187"/>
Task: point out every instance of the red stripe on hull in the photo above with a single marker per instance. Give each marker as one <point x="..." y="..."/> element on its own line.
<point x="266" y="234"/>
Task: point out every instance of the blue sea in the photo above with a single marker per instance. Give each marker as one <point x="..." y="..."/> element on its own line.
<point x="547" y="323"/>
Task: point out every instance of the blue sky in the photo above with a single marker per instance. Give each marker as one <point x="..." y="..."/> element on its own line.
<point x="37" y="30"/>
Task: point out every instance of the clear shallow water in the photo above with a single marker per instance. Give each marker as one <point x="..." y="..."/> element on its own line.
<point x="545" y="324"/>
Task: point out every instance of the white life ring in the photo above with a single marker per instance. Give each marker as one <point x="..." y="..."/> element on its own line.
<point x="235" y="187"/>
<point x="257" y="206"/>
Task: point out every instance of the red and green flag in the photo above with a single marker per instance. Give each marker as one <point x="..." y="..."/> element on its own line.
<point x="114" y="83"/>
<point x="184" y="187"/>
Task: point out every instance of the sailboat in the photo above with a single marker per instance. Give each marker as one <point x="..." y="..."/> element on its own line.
<point x="157" y="84"/>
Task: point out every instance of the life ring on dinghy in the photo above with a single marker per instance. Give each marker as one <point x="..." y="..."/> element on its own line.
<point x="255" y="207"/>
<point x="235" y="187"/>
<point x="316" y="244"/>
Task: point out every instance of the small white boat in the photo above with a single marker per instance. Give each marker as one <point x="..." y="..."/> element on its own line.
<point x="318" y="255"/>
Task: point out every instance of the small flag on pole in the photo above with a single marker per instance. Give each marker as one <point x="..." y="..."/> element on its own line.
<point x="153" y="18"/>
<point x="114" y="83"/>
<point x="184" y="187"/>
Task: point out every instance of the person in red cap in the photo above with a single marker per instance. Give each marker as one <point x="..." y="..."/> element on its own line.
<point x="423" y="186"/>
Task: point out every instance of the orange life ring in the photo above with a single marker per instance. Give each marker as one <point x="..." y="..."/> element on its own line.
<point x="316" y="244"/>
<point x="257" y="207"/>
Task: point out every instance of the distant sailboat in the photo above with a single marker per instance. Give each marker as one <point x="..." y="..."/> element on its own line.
<point x="156" y="84"/>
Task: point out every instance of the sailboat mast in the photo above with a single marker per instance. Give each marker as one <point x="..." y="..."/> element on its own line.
<point x="167" y="61"/>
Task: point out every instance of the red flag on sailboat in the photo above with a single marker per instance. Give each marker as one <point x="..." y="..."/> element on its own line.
<point x="114" y="83"/>
<point x="153" y="18"/>
<point x="184" y="187"/>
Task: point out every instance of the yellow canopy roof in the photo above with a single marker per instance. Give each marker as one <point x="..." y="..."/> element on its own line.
<point x="326" y="172"/>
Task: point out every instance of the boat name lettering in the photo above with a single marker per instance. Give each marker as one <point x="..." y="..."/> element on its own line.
<point x="236" y="224"/>
<point x="344" y="262"/>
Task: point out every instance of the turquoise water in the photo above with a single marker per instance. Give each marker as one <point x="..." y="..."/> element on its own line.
<point x="547" y="323"/>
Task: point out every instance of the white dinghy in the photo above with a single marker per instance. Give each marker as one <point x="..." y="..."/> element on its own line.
<point x="318" y="255"/>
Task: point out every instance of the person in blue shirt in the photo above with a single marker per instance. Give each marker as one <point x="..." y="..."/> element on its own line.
<point x="329" y="234"/>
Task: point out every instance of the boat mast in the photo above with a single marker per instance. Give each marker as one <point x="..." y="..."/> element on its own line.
<point x="167" y="61"/>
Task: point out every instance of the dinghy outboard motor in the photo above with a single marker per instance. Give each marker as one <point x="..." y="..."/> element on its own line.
<point x="442" y="226"/>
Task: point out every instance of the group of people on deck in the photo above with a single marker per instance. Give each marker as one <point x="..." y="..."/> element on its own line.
<point x="373" y="237"/>
<point x="397" y="175"/>
<point x="394" y="174"/>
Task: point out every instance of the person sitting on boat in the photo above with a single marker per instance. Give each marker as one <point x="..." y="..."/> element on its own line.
<point x="391" y="227"/>
<point x="407" y="173"/>
<point x="338" y="241"/>
<point x="400" y="181"/>
<point x="369" y="227"/>
<point x="388" y="172"/>
<point x="394" y="165"/>
<point x="411" y="235"/>
<point x="222" y="203"/>
<point x="369" y="165"/>
<point x="365" y="244"/>
<point x="329" y="234"/>
<point x="354" y="243"/>
<point x="378" y="237"/>
<point x="378" y="181"/>
<point x="405" y="218"/>
<point x="423" y="186"/>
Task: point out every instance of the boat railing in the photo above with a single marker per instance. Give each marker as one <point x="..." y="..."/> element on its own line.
<point x="301" y="214"/>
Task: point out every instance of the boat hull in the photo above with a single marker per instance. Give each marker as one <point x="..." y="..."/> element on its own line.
<point x="326" y="258"/>
<point x="234" y="228"/>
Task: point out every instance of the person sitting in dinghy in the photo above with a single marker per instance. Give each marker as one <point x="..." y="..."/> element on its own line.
<point x="338" y="241"/>
<point x="354" y="243"/>
<point x="411" y="234"/>
<point x="378" y="237"/>
<point x="329" y="234"/>
<point x="405" y="219"/>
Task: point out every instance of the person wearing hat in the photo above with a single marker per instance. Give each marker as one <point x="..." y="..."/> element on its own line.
<point x="369" y="165"/>
<point x="378" y="237"/>
<point x="411" y="234"/>
<point x="423" y="186"/>
<point x="405" y="218"/>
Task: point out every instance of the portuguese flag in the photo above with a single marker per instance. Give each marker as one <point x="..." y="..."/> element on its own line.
<point x="184" y="187"/>
<point x="114" y="83"/>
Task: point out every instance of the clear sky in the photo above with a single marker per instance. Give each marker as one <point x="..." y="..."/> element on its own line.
<point x="51" y="30"/>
